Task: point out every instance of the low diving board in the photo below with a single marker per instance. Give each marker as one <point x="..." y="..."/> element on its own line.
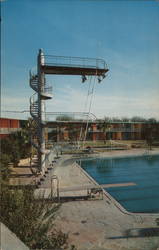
<point x="76" y="192"/>
<point x="86" y="187"/>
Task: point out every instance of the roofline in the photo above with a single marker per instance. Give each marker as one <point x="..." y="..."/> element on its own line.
<point x="98" y="122"/>
<point x="89" y="121"/>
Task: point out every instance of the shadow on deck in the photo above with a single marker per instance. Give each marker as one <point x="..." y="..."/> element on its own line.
<point x="138" y="233"/>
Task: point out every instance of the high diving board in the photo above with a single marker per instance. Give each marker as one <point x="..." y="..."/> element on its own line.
<point x="60" y="65"/>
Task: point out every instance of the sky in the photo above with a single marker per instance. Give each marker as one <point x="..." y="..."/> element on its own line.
<point x="123" y="33"/>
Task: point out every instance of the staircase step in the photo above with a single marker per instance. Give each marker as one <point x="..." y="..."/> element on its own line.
<point x="35" y="162"/>
<point x="41" y="179"/>
<point x="49" y="168"/>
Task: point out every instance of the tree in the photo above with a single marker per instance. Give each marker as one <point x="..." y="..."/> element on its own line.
<point x="116" y="119"/>
<point x="29" y="218"/>
<point x="10" y="147"/>
<point x="23" y="140"/>
<point x="151" y="134"/>
<point x="152" y="120"/>
<point x="125" y="119"/>
<point x="64" y="118"/>
<point x="138" y="119"/>
<point x="73" y="132"/>
<point x="16" y="145"/>
<point x="105" y="126"/>
<point x="106" y="119"/>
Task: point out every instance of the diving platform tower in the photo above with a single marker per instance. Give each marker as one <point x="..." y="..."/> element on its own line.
<point x="54" y="65"/>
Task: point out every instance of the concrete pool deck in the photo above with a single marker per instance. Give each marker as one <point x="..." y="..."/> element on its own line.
<point x="98" y="224"/>
<point x="102" y="224"/>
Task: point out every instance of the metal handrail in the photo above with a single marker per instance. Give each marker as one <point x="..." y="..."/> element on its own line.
<point x="91" y="116"/>
<point x="48" y="90"/>
<point x="124" y="130"/>
<point x="32" y="99"/>
<point x="118" y="130"/>
<point x="74" y="61"/>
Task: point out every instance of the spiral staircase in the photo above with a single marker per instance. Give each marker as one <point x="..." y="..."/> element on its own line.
<point x="37" y="123"/>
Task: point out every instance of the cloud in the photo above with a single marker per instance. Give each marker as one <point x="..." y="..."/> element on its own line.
<point x="103" y="105"/>
<point x="15" y="102"/>
<point x="70" y="99"/>
<point x="11" y="103"/>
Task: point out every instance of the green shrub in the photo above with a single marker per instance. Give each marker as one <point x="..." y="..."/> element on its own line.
<point x="31" y="220"/>
<point x="5" y="170"/>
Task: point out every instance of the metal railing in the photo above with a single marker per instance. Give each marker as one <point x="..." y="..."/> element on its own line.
<point x="80" y="117"/>
<point x="48" y="90"/>
<point x="128" y="130"/>
<point x="66" y="61"/>
<point x="9" y="130"/>
<point x="124" y="130"/>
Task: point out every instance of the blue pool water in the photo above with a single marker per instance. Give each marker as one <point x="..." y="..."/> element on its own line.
<point x="143" y="170"/>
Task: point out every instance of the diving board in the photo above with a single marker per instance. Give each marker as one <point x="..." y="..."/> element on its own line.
<point x="64" y="65"/>
<point x="86" y="187"/>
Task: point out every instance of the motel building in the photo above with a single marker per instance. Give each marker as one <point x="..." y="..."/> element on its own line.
<point x="59" y="131"/>
<point x="75" y="130"/>
<point x="8" y="126"/>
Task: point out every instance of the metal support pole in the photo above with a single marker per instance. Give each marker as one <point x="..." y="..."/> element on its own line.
<point x="54" y="177"/>
<point x="41" y="104"/>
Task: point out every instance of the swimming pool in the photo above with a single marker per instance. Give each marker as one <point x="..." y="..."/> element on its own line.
<point x="143" y="170"/>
